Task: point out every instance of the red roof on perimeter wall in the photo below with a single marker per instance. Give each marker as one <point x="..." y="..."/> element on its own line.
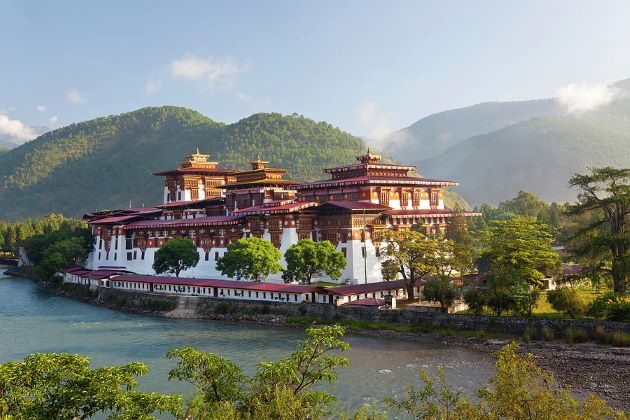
<point x="226" y="284"/>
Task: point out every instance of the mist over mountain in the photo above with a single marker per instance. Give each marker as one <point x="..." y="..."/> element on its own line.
<point x="496" y="149"/>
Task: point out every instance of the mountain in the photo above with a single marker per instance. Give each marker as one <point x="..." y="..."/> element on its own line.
<point x="537" y="155"/>
<point x="433" y="135"/>
<point x="106" y="162"/>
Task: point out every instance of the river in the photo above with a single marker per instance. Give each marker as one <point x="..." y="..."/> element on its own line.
<point x="33" y="320"/>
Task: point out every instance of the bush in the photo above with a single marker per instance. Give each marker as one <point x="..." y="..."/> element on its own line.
<point x="576" y="335"/>
<point x="160" y="305"/>
<point x="611" y="306"/>
<point x="567" y="301"/>
<point x="224" y="308"/>
<point x="530" y="334"/>
<point x="619" y="311"/>
<point x="547" y="333"/>
<point x="476" y="300"/>
<point x="618" y="338"/>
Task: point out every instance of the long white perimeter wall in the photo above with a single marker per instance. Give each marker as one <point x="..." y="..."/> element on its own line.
<point x="354" y="273"/>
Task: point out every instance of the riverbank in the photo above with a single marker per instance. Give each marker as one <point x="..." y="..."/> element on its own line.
<point x="586" y="367"/>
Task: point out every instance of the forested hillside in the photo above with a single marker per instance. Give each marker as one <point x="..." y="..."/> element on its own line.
<point x="106" y="162"/>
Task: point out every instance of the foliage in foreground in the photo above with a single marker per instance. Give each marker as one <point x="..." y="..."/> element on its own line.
<point x="518" y="390"/>
<point x="278" y="390"/>
<point x="62" y="386"/>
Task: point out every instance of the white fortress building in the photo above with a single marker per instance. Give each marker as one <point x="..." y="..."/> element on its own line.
<point x="214" y="206"/>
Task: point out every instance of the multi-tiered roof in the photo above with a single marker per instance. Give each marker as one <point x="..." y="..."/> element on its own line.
<point x="370" y="171"/>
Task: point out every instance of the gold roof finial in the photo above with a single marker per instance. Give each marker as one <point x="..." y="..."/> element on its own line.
<point x="198" y="150"/>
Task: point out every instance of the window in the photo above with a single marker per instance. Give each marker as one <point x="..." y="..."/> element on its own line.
<point x="404" y="199"/>
<point x="384" y="199"/>
<point x="434" y="198"/>
<point x="344" y="251"/>
<point x="129" y="256"/>
<point x="216" y="256"/>
<point x="207" y="255"/>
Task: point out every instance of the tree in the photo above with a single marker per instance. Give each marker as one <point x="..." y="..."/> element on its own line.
<point x="307" y="258"/>
<point x="475" y="298"/>
<point x="568" y="301"/>
<point x="278" y="390"/>
<point x="522" y="246"/>
<point x="605" y="193"/>
<point x="55" y="386"/>
<point x="408" y="254"/>
<point x="252" y="258"/>
<point x="175" y="256"/>
<point x="440" y="290"/>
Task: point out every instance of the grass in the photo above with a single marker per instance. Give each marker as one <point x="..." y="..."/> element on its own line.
<point x="416" y="328"/>
<point x="544" y="310"/>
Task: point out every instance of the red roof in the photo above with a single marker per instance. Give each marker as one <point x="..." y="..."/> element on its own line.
<point x="357" y="205"/>
<point x="189" y="203"/>
<point x="430" y="212"/>
<point x="113" y="220"/>
<point x="571" y="269"/>
<point x="72" y="269"/>
<point x="361" y="180"/>
<point x="200" y="171"/>
<point x="102" y="274"/>
<point x="370" y="287"/>
<point x="199" y="221"/>
<point x="264" y="209"/>
<point x="368" y="302"/>
<point x="226" y="284"/>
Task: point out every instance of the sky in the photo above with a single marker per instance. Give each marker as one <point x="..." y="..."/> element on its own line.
<point x="368" y="67"/>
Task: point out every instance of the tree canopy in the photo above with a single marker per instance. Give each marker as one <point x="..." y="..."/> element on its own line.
<point x="63" y="386"/>
<point x="308" y="258"/>
<point x="250" y="258"/>
<point x="175" y="256"/>
<point x="605" y="241"/>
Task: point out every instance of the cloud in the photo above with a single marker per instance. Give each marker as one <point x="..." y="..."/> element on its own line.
<point x="154" y="84"/>
<point x="41" y="108"/>
<point x="211" y="72"/>
<point x="54" y="119"/>
<point x="373" y="123"/>
<point x="582" y="97"/>
<point x="75" y="96"/>
<point x="16" y="130"/>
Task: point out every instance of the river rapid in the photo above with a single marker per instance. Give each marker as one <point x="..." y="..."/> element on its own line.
<point x="33" y="320"/>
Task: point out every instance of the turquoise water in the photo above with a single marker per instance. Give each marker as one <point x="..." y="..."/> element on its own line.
<point x="35" y="320"/>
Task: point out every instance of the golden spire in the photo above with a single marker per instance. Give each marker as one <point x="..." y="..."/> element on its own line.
<point x="200" y="153"/>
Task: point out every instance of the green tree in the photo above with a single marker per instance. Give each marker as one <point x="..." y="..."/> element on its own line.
<point x="252" y="258"/>
<point x="605" y="193"/>
<point x="408" y="254"/>
<point x="440" y="290"/>
<point x="175" y="256"/>
<point x="518" y="390"/>
<point x="278" y="390"/>
<point x="475" y="298"/>
<point x="520" y="245"/>
<point x="307" y="258"/>
<point x="567" y="300"/>
<point x="62" y="386"/>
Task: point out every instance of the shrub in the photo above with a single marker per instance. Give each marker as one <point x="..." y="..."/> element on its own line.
<point x="223" y="308"/>
<point x="567" y="301"/>
<point x="530" y="334"/>
<point x="547" y="333"/>
<point x="602" y="335"/>
<point x="619" y="311"/>
<point x="160" y="305"/>
<point x="476" y="300"/>
<point x="576" y="335"/>
<point x="621" y="339"/>
<point x="611" y="306"/>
